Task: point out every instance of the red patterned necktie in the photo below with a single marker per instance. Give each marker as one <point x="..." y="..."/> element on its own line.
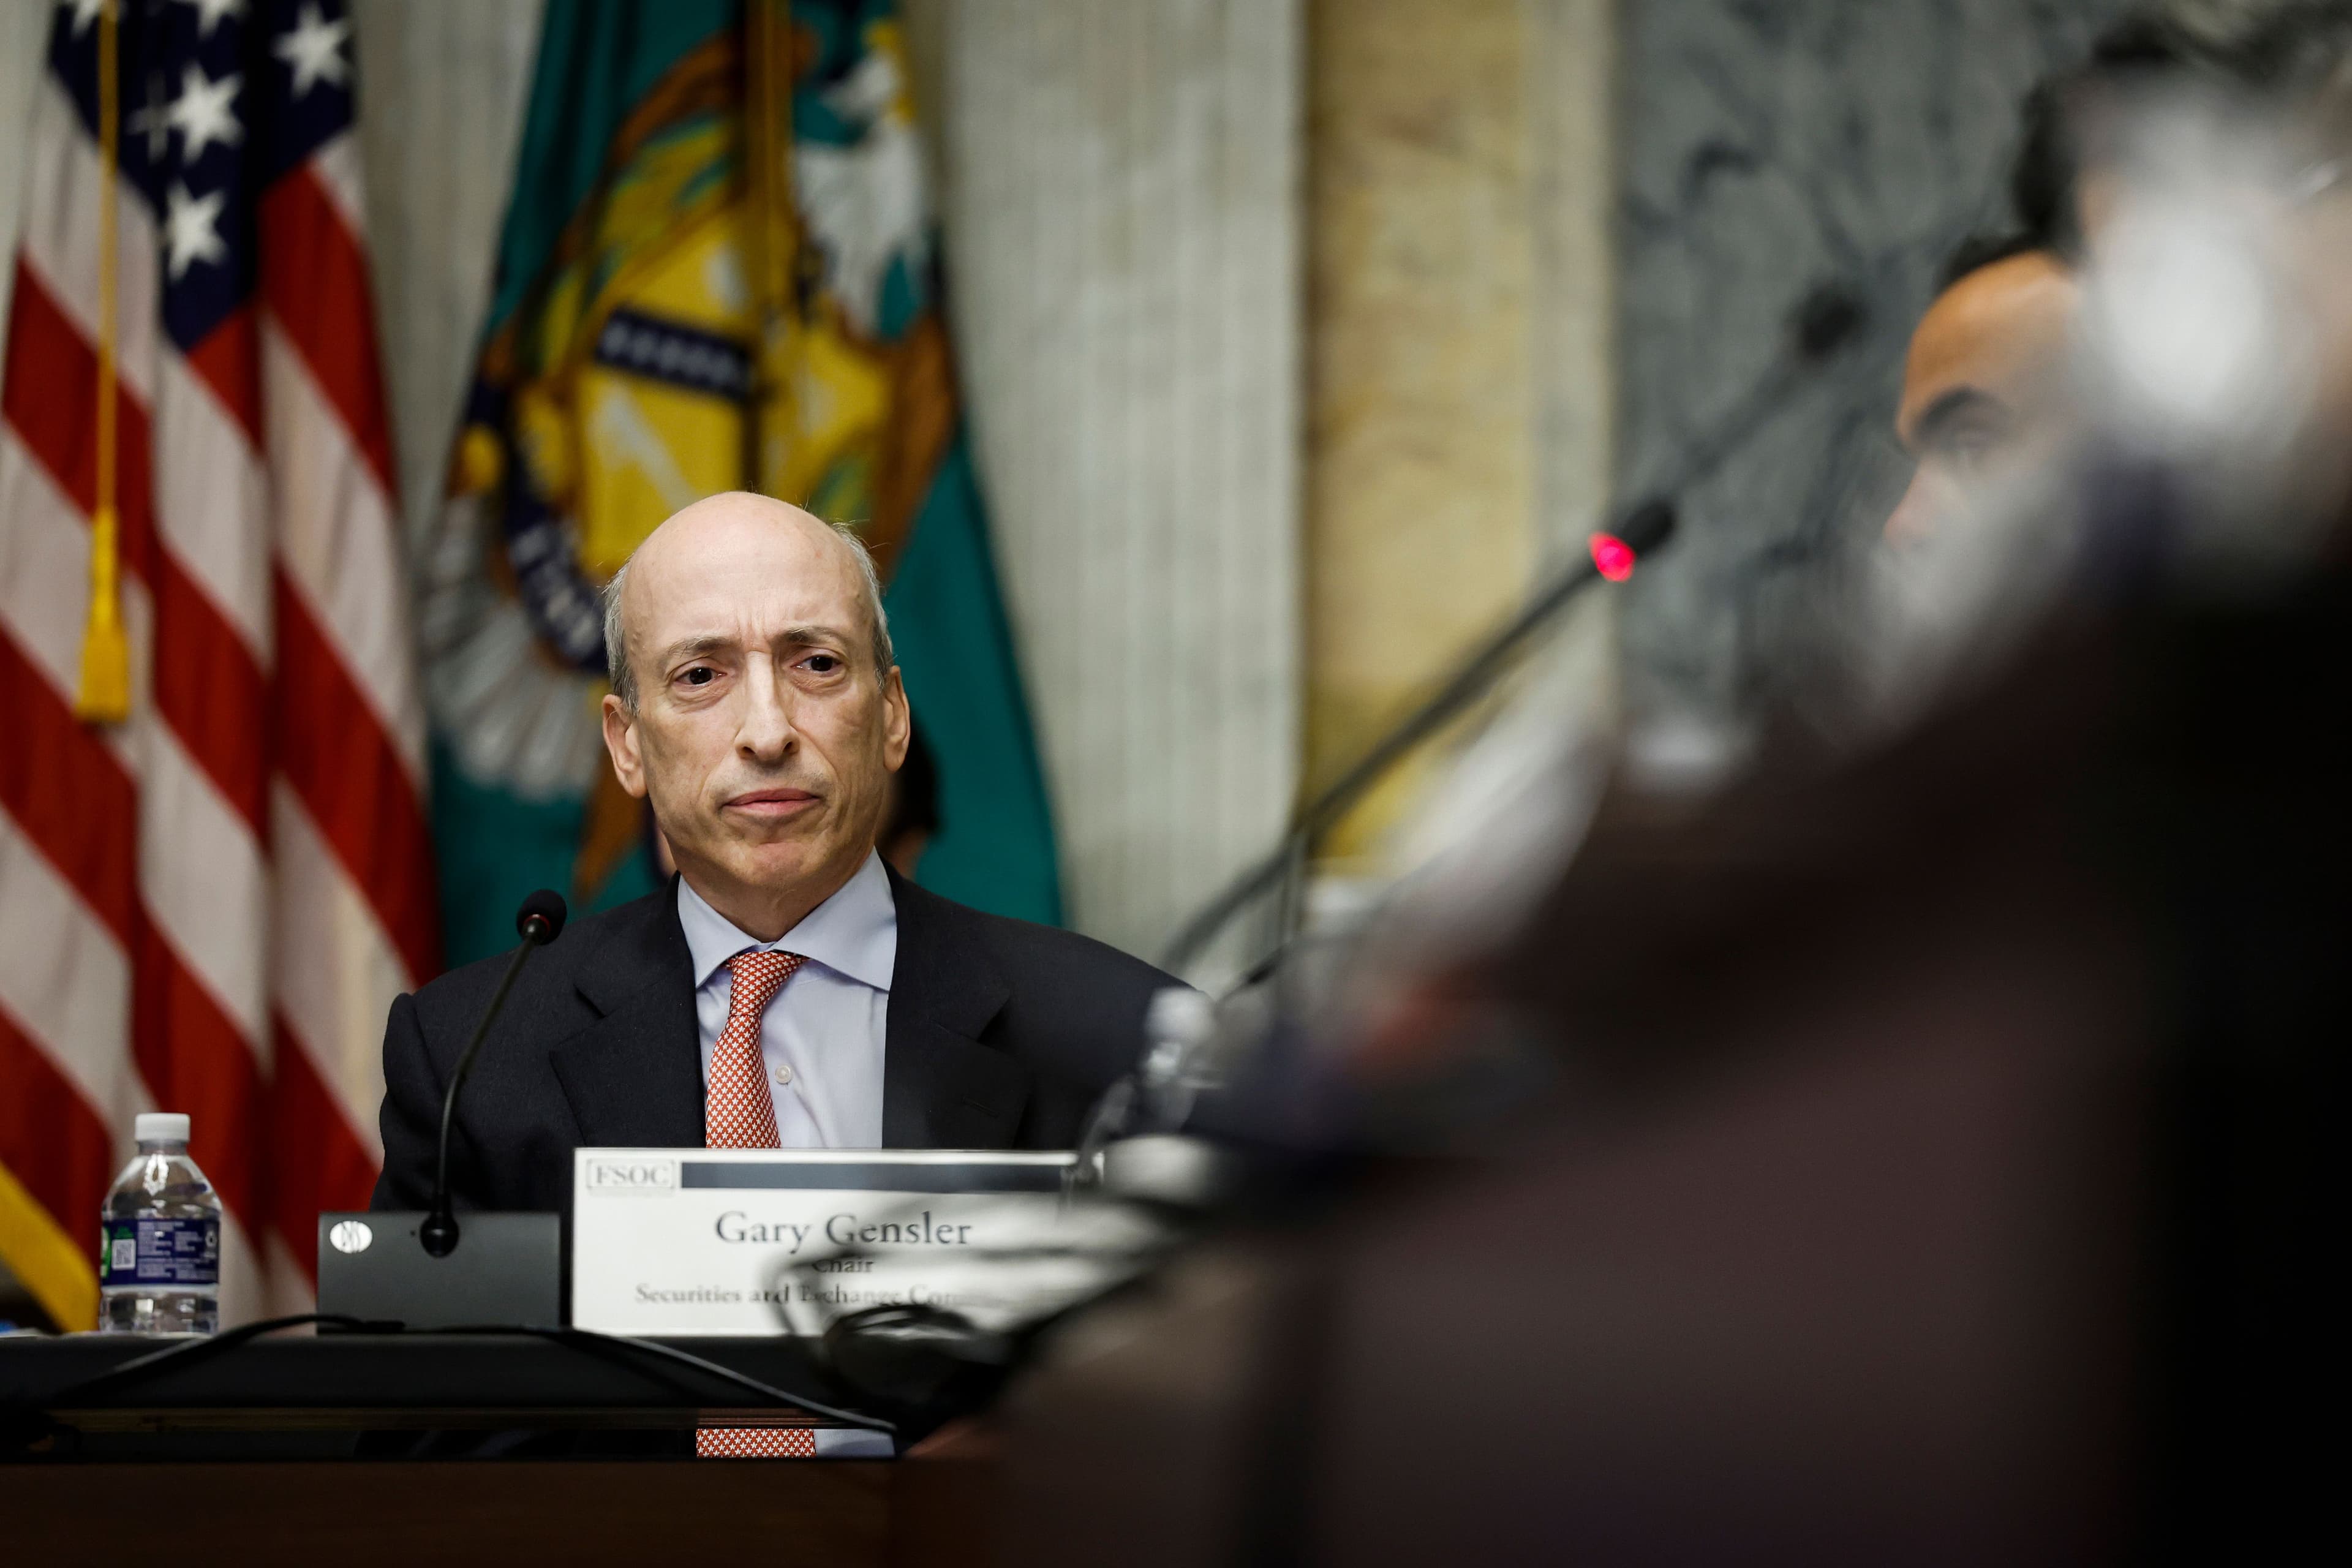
<point x="736" y="1111"/>
<point x="738" y="1114"/>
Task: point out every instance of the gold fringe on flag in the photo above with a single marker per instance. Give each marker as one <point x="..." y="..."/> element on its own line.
<point x="105" y="695"/>
<point x="54" y="1266"/>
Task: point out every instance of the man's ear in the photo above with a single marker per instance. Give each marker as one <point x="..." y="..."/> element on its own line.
<point x="621" y="741"/>
<point x="898" y="722"/>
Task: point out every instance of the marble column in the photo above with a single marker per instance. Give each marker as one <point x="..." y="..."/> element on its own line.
<point x="1461" y="329"/>
<point x="1120" y="186"/>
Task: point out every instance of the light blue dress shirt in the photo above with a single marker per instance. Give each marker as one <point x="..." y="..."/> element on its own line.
<point x="823" y="1034"/>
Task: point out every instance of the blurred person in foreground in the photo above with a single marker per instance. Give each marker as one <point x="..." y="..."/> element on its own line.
<point x="1931" y="1147"/>
<point x="1931" y="1151"/>
<point x="756" y="706"/>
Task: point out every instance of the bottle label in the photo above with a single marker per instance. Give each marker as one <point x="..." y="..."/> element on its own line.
<point x="158" y="1252"/>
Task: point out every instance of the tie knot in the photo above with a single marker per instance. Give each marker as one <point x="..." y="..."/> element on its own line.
<point x="758" y="976"/>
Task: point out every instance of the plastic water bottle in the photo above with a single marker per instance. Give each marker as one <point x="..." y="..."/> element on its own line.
<point x="159" y="1239"/>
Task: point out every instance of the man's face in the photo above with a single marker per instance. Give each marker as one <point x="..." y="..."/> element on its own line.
<point x="764" y="736"/>
<point x="1984" y="394"/>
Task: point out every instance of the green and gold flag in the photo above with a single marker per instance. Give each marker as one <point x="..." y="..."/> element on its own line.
<point x="719" y="270"/>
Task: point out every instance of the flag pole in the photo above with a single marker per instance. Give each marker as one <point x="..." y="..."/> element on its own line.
<point x="767" y="246"/>
<point x="105" y="695"/>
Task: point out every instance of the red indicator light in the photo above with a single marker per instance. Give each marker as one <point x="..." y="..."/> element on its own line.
<point x="1612" y="557"/>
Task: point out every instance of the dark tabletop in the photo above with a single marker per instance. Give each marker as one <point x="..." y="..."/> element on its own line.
<point x="57" y="1392"/>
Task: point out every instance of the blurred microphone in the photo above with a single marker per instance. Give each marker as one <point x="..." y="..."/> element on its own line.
<point x="1820" y="326"/>
<point x="1828" y="319"/>
<point x="1825" y="321"/>
<point x="538" y="922"/>
<point x="1611" y="557"/>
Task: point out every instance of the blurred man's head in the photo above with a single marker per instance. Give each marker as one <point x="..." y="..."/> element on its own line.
<point x="755" y="703"/>
<point x="1984" y="384"/>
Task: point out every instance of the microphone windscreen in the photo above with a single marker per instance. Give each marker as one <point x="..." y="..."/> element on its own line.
<point x="1826" y="320"/>
<point x="1650" y="526"/>
<point x="546" y="904"/>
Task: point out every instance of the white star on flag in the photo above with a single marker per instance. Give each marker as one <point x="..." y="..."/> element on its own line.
<point x="313" y="50"/>
<point x="189" y="232"/>
<point x="202" y="114"/>
<point x="84" y="13"/>
<point x="210" y="12"/>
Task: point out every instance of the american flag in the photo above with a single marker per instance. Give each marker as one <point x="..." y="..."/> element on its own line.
<point x="207" y="905"/>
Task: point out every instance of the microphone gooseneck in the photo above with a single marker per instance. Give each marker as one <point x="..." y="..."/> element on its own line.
<point x="1821" y="325"/>
<point x="538" y="922"/>
<point x="1647" y="528"/>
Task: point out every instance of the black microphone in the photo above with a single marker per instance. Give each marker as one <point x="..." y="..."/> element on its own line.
<point x="1829" y="317"/>
<point x="540" y="921"/>
<point x="1821" y="325"/>
<point x="1645" y="529"/>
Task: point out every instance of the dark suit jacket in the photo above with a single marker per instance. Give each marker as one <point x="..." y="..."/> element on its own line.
<point x="1001" y="1034"/>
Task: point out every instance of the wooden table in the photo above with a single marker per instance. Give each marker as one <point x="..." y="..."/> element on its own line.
<point x="257" y="1454"/>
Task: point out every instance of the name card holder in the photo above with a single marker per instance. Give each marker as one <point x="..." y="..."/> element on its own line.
<point x="683" y="1242"/>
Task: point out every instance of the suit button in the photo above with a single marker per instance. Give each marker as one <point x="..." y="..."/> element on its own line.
<point x="784" y="1075"/>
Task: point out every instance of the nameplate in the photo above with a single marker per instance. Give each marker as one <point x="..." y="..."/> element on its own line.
<point x="686" y="1241"/>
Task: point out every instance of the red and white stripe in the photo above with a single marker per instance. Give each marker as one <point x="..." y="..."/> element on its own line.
<point x="209" y="908"/>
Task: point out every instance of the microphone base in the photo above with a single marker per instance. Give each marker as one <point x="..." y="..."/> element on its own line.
<point x="509" y="1269"/>
<point x="438" y="1234"/>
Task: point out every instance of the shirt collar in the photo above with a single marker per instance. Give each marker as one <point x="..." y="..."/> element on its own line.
<point x="854" y="932"/>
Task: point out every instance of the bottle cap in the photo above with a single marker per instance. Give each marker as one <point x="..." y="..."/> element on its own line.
<point x="160" y="1127"/>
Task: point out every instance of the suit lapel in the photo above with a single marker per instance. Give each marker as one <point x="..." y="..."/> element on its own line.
<point x="635" y="1075"/>
<point x="942" y="1088"/>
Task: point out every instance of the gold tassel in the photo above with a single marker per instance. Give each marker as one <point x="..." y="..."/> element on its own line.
<point x="105" y="650"/>
<point x="105" y="695"/>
